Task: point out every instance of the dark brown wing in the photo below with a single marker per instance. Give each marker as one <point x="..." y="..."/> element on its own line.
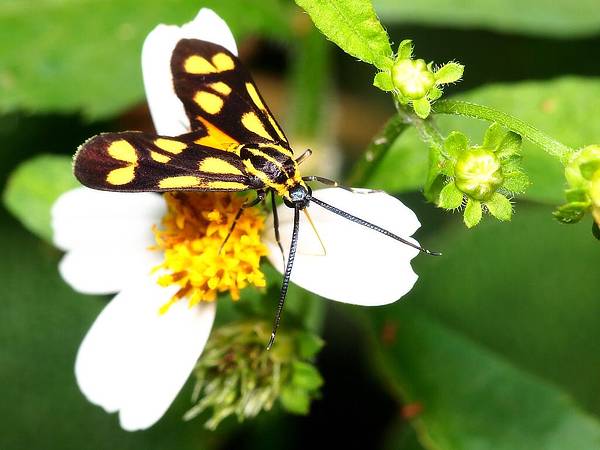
<point x="133" y="161"/>
<point x="220" y="96"/>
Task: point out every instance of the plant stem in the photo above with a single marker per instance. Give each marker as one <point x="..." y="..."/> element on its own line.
<point x="467" y="109"/>
<point x="425" y="127"/>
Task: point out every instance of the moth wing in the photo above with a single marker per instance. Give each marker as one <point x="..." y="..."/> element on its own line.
<point x="136" y="162"/>
<point x="219" y="96"/>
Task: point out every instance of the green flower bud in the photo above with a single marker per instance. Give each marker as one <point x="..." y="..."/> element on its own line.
<point x="236" y="375"/>
<point x="478" y="173"/>
<point x="412" y="78"/>
<point x="583" y="176"/>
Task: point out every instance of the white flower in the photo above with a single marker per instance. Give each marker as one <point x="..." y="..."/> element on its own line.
<point x="135" y="360"/>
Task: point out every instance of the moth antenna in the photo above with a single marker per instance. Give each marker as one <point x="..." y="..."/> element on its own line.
<point x="286" y="276"/>
<point x="370" y="225"/>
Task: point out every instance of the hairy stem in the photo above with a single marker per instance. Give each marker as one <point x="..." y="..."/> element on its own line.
<point x="545" y="142"/>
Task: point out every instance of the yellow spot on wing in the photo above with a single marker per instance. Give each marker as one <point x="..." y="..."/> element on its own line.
<point x="226" y="186"/>
<point x="221" y="87"/>
<point x="198" y="65"/>
<point x="223" y="62"/>
<point x="123" y="151"/>
<point x="170" y="146"/>
<point x="215" y="137"/>
<point x="121" y="176"/>
<point x="159" y="157"/>
<point x="210" y="103"/>
<point x="217" y="165"/>
<point x="185" y="181"/>
<point x="251" y="121"/>
<point x="258" y="102"/>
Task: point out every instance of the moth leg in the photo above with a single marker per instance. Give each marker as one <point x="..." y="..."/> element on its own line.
<point x="333" y="183"/>
<point x="260" y="196"/>
<point x="304" y="156"/>
<point x="276" y="226"/>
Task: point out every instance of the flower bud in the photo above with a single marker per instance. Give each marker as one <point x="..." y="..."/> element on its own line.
<point x="236" y="375"/>
<point x="478" y="173"/>
<point x="412" y="78"/>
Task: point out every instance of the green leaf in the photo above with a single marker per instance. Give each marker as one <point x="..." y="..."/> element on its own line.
<point x="450" y="197"/>
<point x="563" y="108"/>
<point x="422" y="107"/>
<point x="354" y="27"/>
<point x="306" y="376"/>
<point x="472" y="215"/>
<point x="295" y="400"/>
<point x="561" y="18"/>
<point x="449" y="73"/>
<point x="85" y="55"/>
<point x="455" y="144"/>
<point x="309" y="82"/>
<point x="571" y="212"/>
<point x="516" y="182"/>
<point x="510" y="145"/>
<point x="497" y="341"/>
<point x="34" y="186"/>
<point x="493" y="136"/>
<point x="405" y="49"/>
<point x="499" y="207"/>
<point x="383" y="81"/>
<point x="41" y="326"/>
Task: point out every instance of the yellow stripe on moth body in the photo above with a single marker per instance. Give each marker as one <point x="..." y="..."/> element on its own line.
<point x="217" y="165"/>
<point x="122" y="150"/>
<point x="280" y="188"/>
<point x="253" y="93"/>
<point x="198" y="65"/>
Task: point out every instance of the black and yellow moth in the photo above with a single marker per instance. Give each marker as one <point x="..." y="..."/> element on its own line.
<point x="235" y="144"/>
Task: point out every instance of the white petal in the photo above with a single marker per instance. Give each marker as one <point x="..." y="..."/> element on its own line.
<point x="134" y="360"/>
<point x="361" y="266"/>
<point x="84" y="217"/>
<point x="167" y="111"/>
<point x="105" y="270"/>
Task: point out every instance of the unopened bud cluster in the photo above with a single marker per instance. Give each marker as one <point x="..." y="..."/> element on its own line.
<point x="414" y="81"/>
<point x="238" y="376"/>
<point x="481" y="178"/>
<point x="583" y="192"/>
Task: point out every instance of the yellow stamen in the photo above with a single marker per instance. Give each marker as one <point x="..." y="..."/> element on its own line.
<point x="191" y="236"/>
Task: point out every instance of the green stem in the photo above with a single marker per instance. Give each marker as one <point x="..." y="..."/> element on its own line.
<point x="376" y="151"/>
<point x="545" y="142"/>
<point x="425" y="127"/>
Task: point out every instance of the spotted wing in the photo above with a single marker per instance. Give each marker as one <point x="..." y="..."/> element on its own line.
<point x="133" y="161"/>
<point x="220" y="97"/>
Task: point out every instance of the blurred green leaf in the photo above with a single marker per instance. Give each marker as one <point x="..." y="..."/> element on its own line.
<point x="353" y="26"/>
<point x="41" y="325"/>
<point x="499" y="337"/>
<point x="85" y="55"/>
<point x="564" y="108"/>
<point x="562" y="18"/>
<point x="309" y="83"/>
<point x="34" y="186"/>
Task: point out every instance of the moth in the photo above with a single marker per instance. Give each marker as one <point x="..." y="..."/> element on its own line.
<point x="234" y="144"/>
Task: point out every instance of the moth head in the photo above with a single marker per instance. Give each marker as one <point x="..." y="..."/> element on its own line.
<point x="298" y="196"/>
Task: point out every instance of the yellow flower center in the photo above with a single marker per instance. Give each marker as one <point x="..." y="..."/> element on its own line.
<point x="192" y="236"/>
